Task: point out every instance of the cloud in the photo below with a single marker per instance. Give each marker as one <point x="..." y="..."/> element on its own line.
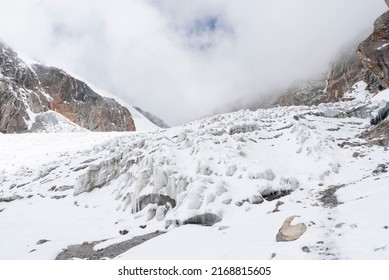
<point x="183" y="59"/>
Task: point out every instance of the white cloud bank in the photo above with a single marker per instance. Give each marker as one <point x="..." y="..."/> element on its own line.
<point x="182" y="59"/>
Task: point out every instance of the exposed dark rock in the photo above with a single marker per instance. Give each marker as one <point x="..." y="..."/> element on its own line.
<point x="154" y="119"/>
<point x="85" y="250"/>
<point x="58" y="196"/>
<point x="381" y="168"/>
<point x="64" y="188"/>
<point x="240" y="203"/>
<point x="356" y="154"/>
<point x="275" y="194"/>
<point x="223" y="228"/>
<point x="12" y="111"/>
<point x="383" y="248"/>
<point x="80" y="168"/>
<point x="328" y="197"/>
<point x="42" y="241"/>
<point x="374" y="51"/>
<point x="340" y="225"/>
<point x="306" y="249"/>
<point x="10" y="198"/>
<point x="378" y="134"/>
<point x="207" y="219"/>
<point x="278" y="204"/>
<point x="158" y="199"/>
<point x="123" y="232"/>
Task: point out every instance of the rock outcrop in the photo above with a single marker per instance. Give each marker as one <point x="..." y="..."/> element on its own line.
<point x="29" y="90"/>
<point x="345" y="71"/>
<point x="368" y="63"/>
<point x="76" y="101"/>
<point x="374" y="51"/>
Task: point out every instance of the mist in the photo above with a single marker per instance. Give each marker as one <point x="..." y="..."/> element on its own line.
<point x="181" y="59"/>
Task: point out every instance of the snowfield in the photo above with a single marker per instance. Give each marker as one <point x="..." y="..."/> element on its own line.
<point x="217" y="188"/>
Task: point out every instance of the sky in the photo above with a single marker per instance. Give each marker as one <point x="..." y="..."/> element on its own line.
<point x="184" y="59"/>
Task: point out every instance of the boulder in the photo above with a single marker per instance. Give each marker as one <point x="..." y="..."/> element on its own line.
<point x="289" y="232"/>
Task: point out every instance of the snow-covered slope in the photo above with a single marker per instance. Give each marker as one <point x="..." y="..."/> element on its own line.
<point x="241" y="174"/>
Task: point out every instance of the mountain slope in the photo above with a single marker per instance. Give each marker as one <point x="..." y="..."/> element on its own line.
<point x="30" y="91"/>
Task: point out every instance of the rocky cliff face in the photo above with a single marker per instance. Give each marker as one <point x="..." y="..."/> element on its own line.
<point x="374" y="51"/>
<point x="368" y="63"/>
<point x="76" y="101"/>
<point x="345" y="71"/>
<point x="26" y="91"/>
<point x="19" y="92"/>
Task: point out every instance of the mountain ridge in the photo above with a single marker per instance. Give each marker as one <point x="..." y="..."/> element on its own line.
<point x="30" y="90"/>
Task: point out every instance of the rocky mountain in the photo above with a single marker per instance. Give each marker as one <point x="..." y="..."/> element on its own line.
<point x="35" y="96"/>
<point x="345" y="71"/>
<point x="374" y="51"/>
<point x="366" y="62"/>
<point x="289" y="182"/>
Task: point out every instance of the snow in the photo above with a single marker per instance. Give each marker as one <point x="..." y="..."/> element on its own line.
<point x="71" y="188"/>
<point x="358" y="92"/>
<point x="382" y="96"/>
<point x="382" y="47"/>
